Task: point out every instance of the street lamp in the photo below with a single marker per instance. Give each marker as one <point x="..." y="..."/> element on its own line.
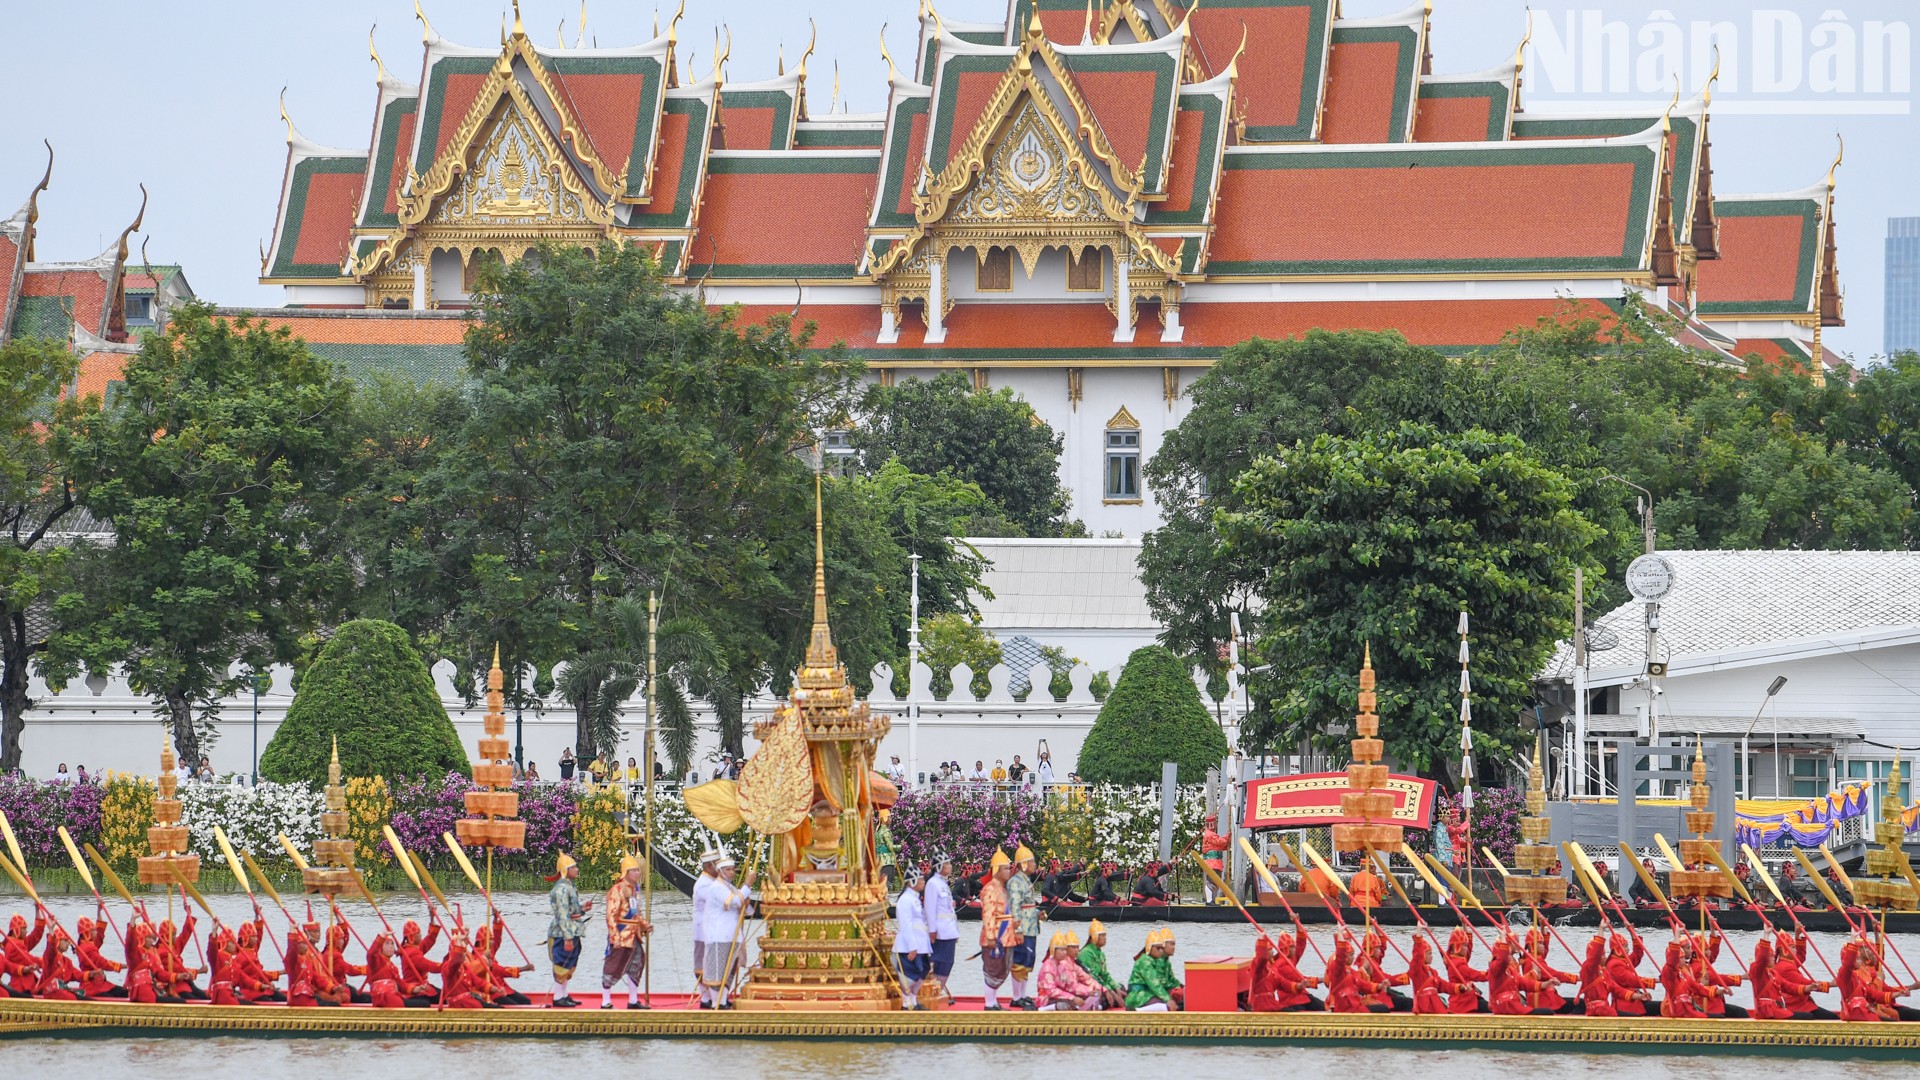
<point x="1746" y="751"/>
<point x="259" y="680"/>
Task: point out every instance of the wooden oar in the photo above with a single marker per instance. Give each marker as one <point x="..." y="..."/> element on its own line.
<point x="1379" y="861"/>
<point x="300" y="863"/>
<point x="267" y="884"/>
<point x="1639" y="868"/>
<point x="240" y="875"/>
<point x="86" y="875"/>
<point x="1580" y="879"/>
<point x="1462" y="890"/>
<point x="1214" y="879"/>
<point x="20" y="863"/>
<point x="374" y="904"/>
<point x="1766" y="878"/>
<point x="401" y="856"/>
<point x="1706" y="909"/>
<point x="1441" y="891"/>
<point x="1827" y="891"/>
<point x="466" y="867"/>
<point x="426" y="876"/>
<point x="1365" y="912"/>
<point x="1535" y="908"/>
<point x="1266" y="875"/>
<point x="113" y="879"/>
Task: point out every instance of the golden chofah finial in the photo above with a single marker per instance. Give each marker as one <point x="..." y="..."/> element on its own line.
<point x="138" y="217"/>
<point x="1188" y="17"/>
<point x="813" y="35"/>
<point x="1034" y="29"/>
<point x="426" y="28"/>
<point x="893" y="73"/>
<point x="1837" y="159"/>
<point x="33" y="203"/>
<point x="673" y="24"/>
<point x="1714" y="75"/>
<point x="1086" y="29"/>
<point x="835" y="99"/>
<point x="1520" y="52"/>
<point x="379" y="69"/>
<point x="519" y="28"/>
<point x="720" y="55"/>
<point x="939" y="28"/>
<point x="560" y="34"/>
<point x="284" y="118"/>
<point x="580" y="38"/>
<point x="1233" y="65"/>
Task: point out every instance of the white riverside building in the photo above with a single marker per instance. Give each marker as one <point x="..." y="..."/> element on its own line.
<point x="1082" y="595"/>
<point x="1843" y="628"/>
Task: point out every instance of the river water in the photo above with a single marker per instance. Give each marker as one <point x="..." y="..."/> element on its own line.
<point x="526" y="914"/>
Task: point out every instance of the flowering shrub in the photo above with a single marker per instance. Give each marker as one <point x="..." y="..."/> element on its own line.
<point x="1102" y="823"/>
<point x="369" y="805"/>
<point x="966" y="822"/>
<point x="600" y="830"/>
<point x="253" y="818"/>
<point x="37" y="809"/>
<point x="126" y="812"/>
<point x="1496" y="822"/>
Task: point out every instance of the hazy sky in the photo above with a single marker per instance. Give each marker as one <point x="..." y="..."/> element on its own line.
<point x="182" y="97"/>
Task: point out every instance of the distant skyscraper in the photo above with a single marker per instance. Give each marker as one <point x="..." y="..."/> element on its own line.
<point x="1903" y="285"/>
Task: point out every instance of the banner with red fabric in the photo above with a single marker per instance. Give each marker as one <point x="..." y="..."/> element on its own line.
<point x="1298" y="802"/>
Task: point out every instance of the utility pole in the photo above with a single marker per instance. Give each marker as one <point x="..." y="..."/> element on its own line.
<point x="1579" y="755"/>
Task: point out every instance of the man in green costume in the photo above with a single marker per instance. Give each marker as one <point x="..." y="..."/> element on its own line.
<point x="1093" y="960"/>
<point x="1151" y="985"/>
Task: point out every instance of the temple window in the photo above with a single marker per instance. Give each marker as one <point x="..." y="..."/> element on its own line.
<point x="470" y="273"/>
<point x="1123" y="462"/>
<point x="1084" y="270"/>
<point x="996" y="270"/>
<point x="139" y="311"/>
<point x="837" y="452"/>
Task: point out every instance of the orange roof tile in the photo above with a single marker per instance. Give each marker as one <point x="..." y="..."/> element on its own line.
<point x="970" y="94"/>
<point x="397" y="172"/>
<point x="1431" y="210"/>
<point x="608" y="108"/>
<point x="83" y="292"/>
<point x="1764" y="260"/>
<point x="1123" y="103"/>
<point x="749" y="128"/>
<point x="916" y="154"/>
<point x="369" y="327"/>
<point x="1184" y="166"/>
<point x="97" y="372"/>
<point x="1363" y="96"/>
<point x="1279" y="73"/>
<point x="748" y="225"/>
<point x="1453" y="119"/>
<point x="327" y="222"/>
<point x="455" y="99"/>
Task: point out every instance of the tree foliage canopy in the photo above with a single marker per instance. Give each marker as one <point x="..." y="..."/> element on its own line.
<point x="1385" y="539"/>
<point x="215" y="466"/>
<point x="1154" y="715"/>
<point x="989" y="438"/>
<point x="370" y="690"/>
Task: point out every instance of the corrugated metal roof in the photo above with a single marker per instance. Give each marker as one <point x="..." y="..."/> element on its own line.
<point x="1078" y="584"/>
<point x="1727" y="600"/>
<point x="1823" y="729"/>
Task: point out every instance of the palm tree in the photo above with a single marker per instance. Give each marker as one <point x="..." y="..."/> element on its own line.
<point x="690" y="665"/>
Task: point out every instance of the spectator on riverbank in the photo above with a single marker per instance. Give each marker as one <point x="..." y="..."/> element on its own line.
<point x="633" y="771"/>
<point x="566" y="764"/>
<point x="999" y="773"/>
<point x="205" y="771"/>
<point x="1043" y="769"/>
<point x="61" y="775"/>
<point x="533" y="772"/>
<point x="979" y="773"/>
<point x="1017" y="771"/>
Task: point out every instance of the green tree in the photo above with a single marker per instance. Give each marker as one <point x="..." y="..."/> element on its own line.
<point x="215" y="466"/>
<point x="946" y="642"/>
<point x="626" y="440"/>
<point x="369" y="690"/>
<point x="991" y="438"/>
<point x="1154" y="715"/>
<point x="1384" y="539"/>
<point x="36" y="498"/>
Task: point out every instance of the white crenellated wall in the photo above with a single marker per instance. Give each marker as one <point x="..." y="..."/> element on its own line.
<point x="103" y="724"/>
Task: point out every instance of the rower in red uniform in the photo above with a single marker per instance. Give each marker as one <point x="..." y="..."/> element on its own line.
<point x="59" y="978"/>
<point x="22" y="967"/>
<point x="1508" y="983"/>
<point x="1596" y="990"/>
<point x="334" y="959"/>
<point x="417" y="968"/>
<point x="308" y="981"/>
<point x="94" y="966"/>
<point x="1791" y="983"/>
<point x="172" y="974"/>
<point x="459" y="988"/>
<point x="1426" y="982"/>
<point x="1373" y="954"/>
<point x="1872" y="997"/>
<point x="1463" y="995"/>
<point x="254" y="981"/>
<point x="383" y="974"/>
<point x="486" y="949"/>
<point x="1716" y="1005"/>
<point x="1687" y="996"/>
<point x="1278" y="985"/>
<point x="1544" y="996"/>
<point x="1348" y="988"/>
<point x="1631" y="995"/>
<point x="1766" y="1000"/>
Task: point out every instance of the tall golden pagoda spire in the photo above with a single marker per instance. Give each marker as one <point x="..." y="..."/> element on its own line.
<point x="1366" y="796"/>
<point x="1892" y="885"/>
<point x="1695" y="877"/>
<point x="820" y="651"/>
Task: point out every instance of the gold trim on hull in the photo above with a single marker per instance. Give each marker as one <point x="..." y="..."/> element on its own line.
<point x="24" y="1016"/>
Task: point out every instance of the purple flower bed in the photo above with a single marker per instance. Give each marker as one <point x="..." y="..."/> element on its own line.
<point x="1496" y="822"/>
<point x="965" y="822"/>
<point x="36" y="809"/>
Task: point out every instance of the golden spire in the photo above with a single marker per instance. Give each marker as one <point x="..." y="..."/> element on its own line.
<point x="1086" y="29"/>
<point x="780" y="60"/>
<point x="426" y="28"/>
<point x="1837" y="159"/>
<point x="892" y="72"/>
<point x="519" y="28"/>
<point x="820" y="648"/>
<point x="33" y="202"/>
<point x="288" y="120"/>
<point x="139" y="217"/>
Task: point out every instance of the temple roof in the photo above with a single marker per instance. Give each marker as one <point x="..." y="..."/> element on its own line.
<point x="319" y="197"/>
<point x="1373" y="75"/>
<point x="747" y="220"/>
<point x="1438" y="208"/>
<point x="1477" y="107"/>
<point x="1776" y="258"/>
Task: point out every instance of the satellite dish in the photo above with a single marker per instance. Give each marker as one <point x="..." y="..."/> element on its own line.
<point x="1601" y="638"/>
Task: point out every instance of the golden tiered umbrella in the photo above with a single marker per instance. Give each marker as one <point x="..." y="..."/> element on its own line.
<point x="491" y="811"/>
<point x="1695" y="872"/>
<point x="1366" y="796"/>
<point x="1891" y="886"/>
<point x="332" y="873"/>
<point x="168" y="862"/>
<point x="1534" y="856"/>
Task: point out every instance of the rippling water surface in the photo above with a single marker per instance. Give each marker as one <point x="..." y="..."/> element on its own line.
<point x="205" y="1058"/>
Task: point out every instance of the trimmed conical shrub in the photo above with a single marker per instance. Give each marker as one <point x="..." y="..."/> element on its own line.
<point x="1153" y="715"/>
<point x="370" y="689"/>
